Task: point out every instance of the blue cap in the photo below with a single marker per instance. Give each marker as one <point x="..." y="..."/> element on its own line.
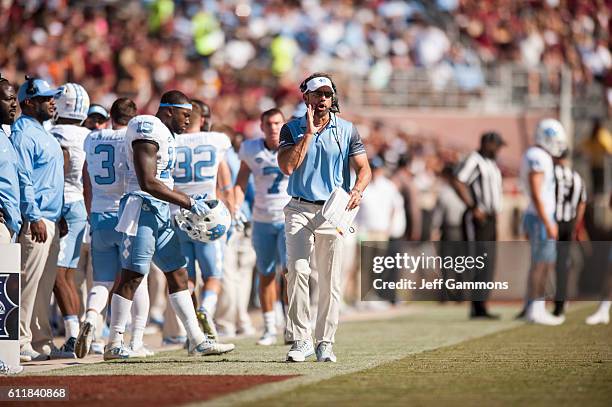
<point x="98" y="109"/>
<point x="32" y="88"/>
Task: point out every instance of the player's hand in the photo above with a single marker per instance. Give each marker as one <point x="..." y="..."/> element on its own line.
<point x="38" y="230"/>
<point x="552" y="231"/>
<point x="355" y="199"/>
<point x="239" y="221"/>
<point x="63" y="227"/>
<point x="200" y="207"/>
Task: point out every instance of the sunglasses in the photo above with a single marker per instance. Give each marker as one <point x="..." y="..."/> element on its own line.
<point x="321" y="93"/>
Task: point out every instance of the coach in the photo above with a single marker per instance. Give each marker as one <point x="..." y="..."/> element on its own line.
<point x="315" y="151"/>
<point x="10" y="216"/>
<point x="478" y="183"/>
<point x="41" y="179"/>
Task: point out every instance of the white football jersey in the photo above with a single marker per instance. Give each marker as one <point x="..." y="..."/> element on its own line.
<point x="71" y="138"/>
<point x="271" y="195"/>
<point x="197" y="162"/>
<point x="537" y="159"/>
<point x="106" y="165"/>
<point x="150" y="128"/>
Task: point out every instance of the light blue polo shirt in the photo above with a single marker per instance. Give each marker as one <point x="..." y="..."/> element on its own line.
<point x="40" y="170"/>
<point x="326" y="165"/>
<point x="9" y="184"/>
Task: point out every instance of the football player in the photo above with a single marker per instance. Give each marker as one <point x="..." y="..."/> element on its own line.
<point x="201" y="169"/>
<point x="148" y="233"/>
<point x="259" y="156"/>
<point x="72" y="104"/>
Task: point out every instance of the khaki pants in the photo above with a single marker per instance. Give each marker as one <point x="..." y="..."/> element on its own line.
<point x="307" y="233"/>
<point x="5" y="234"/>
<point x="38" y="271"/>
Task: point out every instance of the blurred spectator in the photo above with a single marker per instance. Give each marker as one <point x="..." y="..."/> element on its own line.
<point x="598" y="149"/>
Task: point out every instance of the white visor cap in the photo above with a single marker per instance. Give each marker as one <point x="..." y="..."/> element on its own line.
<point x="318" y="82"/>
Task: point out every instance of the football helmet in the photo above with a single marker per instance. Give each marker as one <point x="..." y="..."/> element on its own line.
<point x="550" y="135"/>
<point x="206" y="228"/>
<point x="72" y="102"/>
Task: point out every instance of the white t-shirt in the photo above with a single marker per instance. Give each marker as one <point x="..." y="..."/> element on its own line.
<point x="378" y="205"/>
<point x="106" y="165"/>
<point x="271" y="195"/>
<point x="71" y="138"/>
<point x="198" y="156"/>
<point x="537" y="159"/>
<point x="150" y="128"/>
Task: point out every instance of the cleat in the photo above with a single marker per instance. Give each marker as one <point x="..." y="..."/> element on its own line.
<point x="300" y="350"/>
<point x="97" y="348"/>
<point x="598" y="318"/>
<point x="116" y="352"/>
<point x="545" y="318"/>
<point x="207" y="325"/>
<point x="84" y="340"/>
<point x="209" y="347"/>
<point x="66" y="351"/>
<point x="140" y="352"/>
<point x="325" y="352"/>
<point x="267" y="339"/>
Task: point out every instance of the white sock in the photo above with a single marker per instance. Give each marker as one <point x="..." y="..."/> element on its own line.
<point x="604" y="307"/>
<point x="91" y="316"/>
<point x="140" y="313"/>
<point x="120" y="313"/>
<point x="98" y="297"/>
<point x="209" y="302"/>
<point x="270" y="321"/>
<point x="183" y="307"/>
<point x="71" y="324"/>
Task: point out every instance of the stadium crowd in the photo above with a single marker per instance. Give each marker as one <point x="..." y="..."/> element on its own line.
<point x="246" y="58"/>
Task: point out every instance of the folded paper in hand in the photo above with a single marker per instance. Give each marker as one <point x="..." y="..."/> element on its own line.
<point x="334" y="211"/>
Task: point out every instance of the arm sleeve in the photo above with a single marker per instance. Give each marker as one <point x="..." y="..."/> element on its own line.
<point x="356" y="146"/>
<point x="468" y="171"/>
<point x="286" y="138"/>
<point x="24" y="148"/>
<point x="535" y="163"/>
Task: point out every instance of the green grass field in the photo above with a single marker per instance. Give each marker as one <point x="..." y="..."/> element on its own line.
<point x="433" y="355"/>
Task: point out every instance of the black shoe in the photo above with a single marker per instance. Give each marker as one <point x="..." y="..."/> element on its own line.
<point x="483" y="315"/>
<point x="522" y="314"/>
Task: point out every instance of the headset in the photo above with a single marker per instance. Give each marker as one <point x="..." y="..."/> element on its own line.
<point x="335" y="107"/>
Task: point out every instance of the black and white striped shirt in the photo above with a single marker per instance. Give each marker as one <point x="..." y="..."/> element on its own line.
<point x="483" y="177"/>
<point x="569" y="192"/>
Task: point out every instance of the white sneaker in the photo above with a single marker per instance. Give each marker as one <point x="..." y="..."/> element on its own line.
<point x="97" y="348"/>
<point x="116" y="352"/>
<point x="210" y="347"/>
<point x="325" y="352"/>
<point x="300" y="350"/>
<point x="28" y="354"/>
<point x="545" y="318"/>
<point x="267" y="339"/>
<point x="84" y="340"/>
<point x="598" y="318"/>
<point x="140" y="352"/>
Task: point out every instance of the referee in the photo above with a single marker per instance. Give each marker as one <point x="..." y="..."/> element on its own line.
<point x="570" y="198"/>
<point x="478" y="183"/>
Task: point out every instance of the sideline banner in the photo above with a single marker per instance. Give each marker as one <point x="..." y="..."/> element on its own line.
<point x="10" y="290"/>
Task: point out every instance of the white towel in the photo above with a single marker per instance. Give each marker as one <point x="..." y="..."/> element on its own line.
<point x="128" y="223"/>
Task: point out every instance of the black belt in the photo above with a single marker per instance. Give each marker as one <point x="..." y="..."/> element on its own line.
<point x="300" y="199"/>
